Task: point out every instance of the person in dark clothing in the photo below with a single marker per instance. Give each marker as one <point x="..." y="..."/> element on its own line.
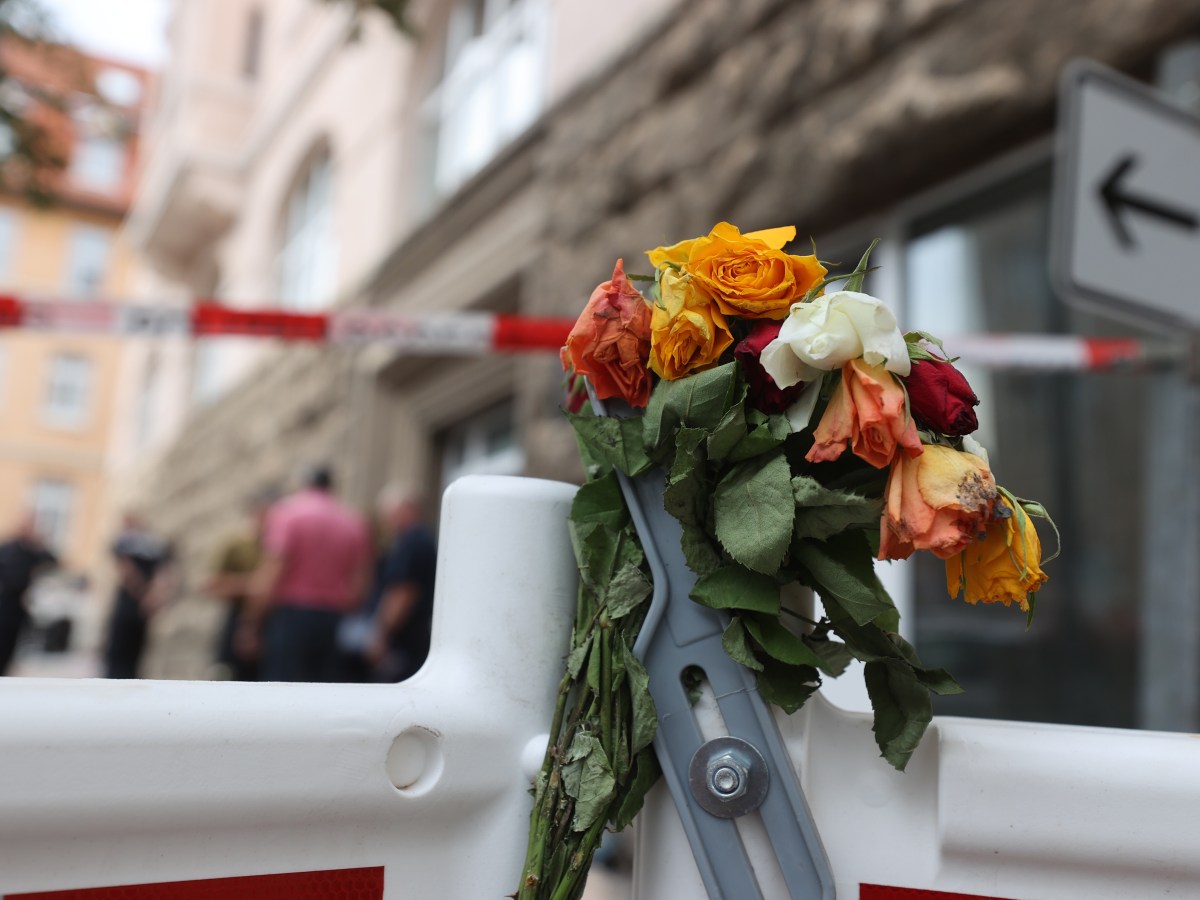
<point x="237" y="559"/>
<point x="143" y="560"/>
<point x="404" y="612"/>
<point x="22" y="558"/>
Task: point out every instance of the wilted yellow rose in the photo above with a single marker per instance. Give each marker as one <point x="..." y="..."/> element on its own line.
<point x="749" y="275"/>
<point x="687" y="331"/>
<point x="1004" y="567"/>
<point x="938" y="501"/>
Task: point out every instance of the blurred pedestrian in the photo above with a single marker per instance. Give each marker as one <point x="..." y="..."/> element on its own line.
<point x="144" y="578"/>
<point x="22" y="558"/>
<point x="399" y="642"/>
<point x="236" y="561"/>
<point x="315" y="567"/>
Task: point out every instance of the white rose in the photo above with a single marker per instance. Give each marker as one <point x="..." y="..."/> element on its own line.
<point x="972" y="446"/>
<point x="828" y="332"/>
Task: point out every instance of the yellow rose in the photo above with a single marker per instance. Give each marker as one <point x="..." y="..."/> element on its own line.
<point x="749" y="275"/>
<point x="1003" y="567"/>
<point x="687" y="331"/>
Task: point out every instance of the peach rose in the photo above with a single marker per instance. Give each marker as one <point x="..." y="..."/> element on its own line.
<point x="610" y="342"/>
<point x="1004" y="567"/>
<point x="938" y="501"/>
<point x="687" y="331"/>
<point x="868" y="410"/>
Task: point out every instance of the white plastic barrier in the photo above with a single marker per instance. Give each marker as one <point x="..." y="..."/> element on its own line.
<point x="425" y="783"/>
<point x="115" y="783"/>
<point x="989" y="808"/>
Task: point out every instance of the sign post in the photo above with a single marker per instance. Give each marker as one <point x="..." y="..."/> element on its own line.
<point x="1127" y="245"/>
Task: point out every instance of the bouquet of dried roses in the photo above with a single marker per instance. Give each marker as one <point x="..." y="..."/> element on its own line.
<point x="799" y="436"/>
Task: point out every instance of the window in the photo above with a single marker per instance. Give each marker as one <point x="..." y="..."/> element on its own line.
<point x="52" y="503"/>
<point x="491" y="89"/>
<point x="87" y="260"/>
<point x="67" y="391"/>
<point x="307" y="260"/>
<point x="8" y="244"/>
<point x="978" y="263"/>
<point x="98" y="163"/>
<point x="485" y="444"/>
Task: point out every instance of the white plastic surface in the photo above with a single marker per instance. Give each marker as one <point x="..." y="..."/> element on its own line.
<point x="108" y="783"/>
<point x="1001" y="809"/>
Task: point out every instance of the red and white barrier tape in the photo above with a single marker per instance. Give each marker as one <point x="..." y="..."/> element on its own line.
<point x="471" y="333"/>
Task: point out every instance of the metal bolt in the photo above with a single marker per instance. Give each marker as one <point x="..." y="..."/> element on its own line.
<point x="727" y="777"/>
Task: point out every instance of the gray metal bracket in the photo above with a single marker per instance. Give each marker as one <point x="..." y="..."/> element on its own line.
<point x="678" y="634"/>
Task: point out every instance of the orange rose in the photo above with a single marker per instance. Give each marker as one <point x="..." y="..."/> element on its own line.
<point x="868" y="410"/>
<point x="749" y="275"/>
<point x="939" y="501"/>
<point x="610" y="342"/>
<point x="687" y="331"/>
<point x="1004" y="567"/>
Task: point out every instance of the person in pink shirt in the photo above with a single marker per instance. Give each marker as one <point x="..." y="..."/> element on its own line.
<point x="317" y="559"/>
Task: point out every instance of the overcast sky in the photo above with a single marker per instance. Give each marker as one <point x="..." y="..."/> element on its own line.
<point x="130" y="30"/>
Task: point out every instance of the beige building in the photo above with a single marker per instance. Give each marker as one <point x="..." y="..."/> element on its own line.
<point x="505" y="159"/>
<point x="57" y="391"/>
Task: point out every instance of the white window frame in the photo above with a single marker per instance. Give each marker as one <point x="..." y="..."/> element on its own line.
<point x="67" y="400"/>
<point x="9" y="233"/>
<point x="52" y="501"/>
<point x="89" y="253"/>
<point x="98" y="163"/>
<point x="493" y="87"/>
<point x="469" y="437"/>
<point x="307" y="263"/>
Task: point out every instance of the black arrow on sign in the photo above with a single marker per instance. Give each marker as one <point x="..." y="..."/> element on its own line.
<point x="1117" y="199"/>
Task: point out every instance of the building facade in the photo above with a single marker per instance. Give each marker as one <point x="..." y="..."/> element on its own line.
<point x="928" y="124"/>
<point x="57" y="391"/>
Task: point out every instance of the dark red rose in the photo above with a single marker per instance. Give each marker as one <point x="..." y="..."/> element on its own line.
<point x="764" y="394"/>
<point x="940" y="397"/>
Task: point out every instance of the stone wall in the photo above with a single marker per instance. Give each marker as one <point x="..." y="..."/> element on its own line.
<point x="770" y="112"/>
<point x="762" y="112"/>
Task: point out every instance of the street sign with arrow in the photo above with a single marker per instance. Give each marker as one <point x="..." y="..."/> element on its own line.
<point x="1127" y="205"/>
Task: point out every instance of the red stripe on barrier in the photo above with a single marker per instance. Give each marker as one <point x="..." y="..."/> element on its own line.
<point x="12" y="311"/>
<point x="333" y="884"/>
<point x="522" y="333"/>
<point x="1104" y="353"/>
<point x="884" y="892"/>
<point x="212" y="319"/>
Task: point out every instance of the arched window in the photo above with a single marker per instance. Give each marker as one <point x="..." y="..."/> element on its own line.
<point x="308" y="252"/>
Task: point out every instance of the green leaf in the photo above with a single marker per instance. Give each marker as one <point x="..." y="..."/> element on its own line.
<point x="698" y="401"/>
<point x="737" y="645"/>
<point x="729" y="431"/>
<point x="787" y="687"/>
<point x="645" y="717"/>
<point x="615" y="441"/>
<point x="733" y="587"/>
<point x="600" y="501"/>
<point x="702" y="557"/>
<point x="595" y="663"/>
<point x="854" y="282"/>
<point x="575" y="659"/>
<point x="595" y="552"/>
<point x="902" y="709"/>
<point x="754" y="512"/>
<point x="588" y="779"/>
<point x="779" y="643"/>
<point x="686" y="491"/>
<point x="842" y="569"/>
<point x="762" y="438"/>
<point x="645" y="774"/>
<point x="939" y="681"/>
<point x="628" y="588"/>
<point x="835" y="656"/>
<point x="822" y="512"/>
